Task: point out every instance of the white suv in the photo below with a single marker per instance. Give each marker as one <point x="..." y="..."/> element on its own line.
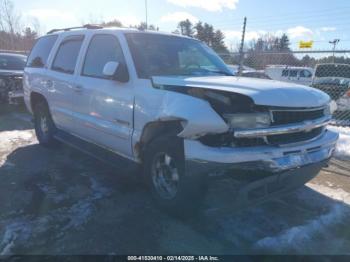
<point x="170" y="104"/>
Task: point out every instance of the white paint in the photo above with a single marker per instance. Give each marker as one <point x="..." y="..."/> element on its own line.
<point x="263" y="92"/>
<point x="197" y="115"/>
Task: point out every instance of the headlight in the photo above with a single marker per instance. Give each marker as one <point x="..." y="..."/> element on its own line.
<point x="248" y="120"/>
<point x="330" y="108"/>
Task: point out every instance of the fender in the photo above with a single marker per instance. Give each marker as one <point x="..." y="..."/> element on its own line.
<point x="197" y="117"/>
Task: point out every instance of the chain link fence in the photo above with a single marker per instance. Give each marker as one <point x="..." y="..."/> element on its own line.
<point x="326" y="70"/>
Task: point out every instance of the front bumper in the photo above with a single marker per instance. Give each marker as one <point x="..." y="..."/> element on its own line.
<point x="275" y="159"/>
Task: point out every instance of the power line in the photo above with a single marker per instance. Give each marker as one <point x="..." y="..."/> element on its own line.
<point x="293" y="15"/>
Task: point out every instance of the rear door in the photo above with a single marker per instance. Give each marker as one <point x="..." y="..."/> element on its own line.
<point x="35" y="72"/>
<point x="104" y="107"/>
<point x="62" y="81"/>
<point x="293" y="76"/>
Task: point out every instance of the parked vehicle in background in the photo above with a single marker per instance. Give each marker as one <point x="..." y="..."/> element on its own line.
<point x="334" y="79"/>
<point x="11" y="74"/>
<point x="168" y="103"/>
<point x="292" y="74"/>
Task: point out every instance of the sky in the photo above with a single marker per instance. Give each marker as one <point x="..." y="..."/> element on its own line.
<point x="317" y="20"/>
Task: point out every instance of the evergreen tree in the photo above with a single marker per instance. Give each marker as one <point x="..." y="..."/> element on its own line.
<point x="186" y="28"/>
<point x="284" y="43"/>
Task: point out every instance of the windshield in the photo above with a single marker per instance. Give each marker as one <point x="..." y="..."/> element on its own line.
<point x="160" y="55"/>
<point x="333" y="70"/>
<point x="9" y="62"/>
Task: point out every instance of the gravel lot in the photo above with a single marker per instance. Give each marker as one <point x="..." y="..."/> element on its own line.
<point x="64" y="202"/>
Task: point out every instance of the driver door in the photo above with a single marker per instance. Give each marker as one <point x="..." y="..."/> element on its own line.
<point x="103" y="106"/>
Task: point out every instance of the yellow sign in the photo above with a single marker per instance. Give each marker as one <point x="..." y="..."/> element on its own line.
<point x="308" y="44"/>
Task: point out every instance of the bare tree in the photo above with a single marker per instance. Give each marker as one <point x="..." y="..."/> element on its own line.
<point x="13" y="34"/>
<point x="9" y="19"/>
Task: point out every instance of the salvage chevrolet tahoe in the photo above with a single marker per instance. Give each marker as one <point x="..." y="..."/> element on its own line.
<point x="170" y="105"/>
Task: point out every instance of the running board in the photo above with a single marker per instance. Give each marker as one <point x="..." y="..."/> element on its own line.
<point x="96" y="152"/>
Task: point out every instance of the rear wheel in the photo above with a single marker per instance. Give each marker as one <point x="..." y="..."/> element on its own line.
<point x="44" y="125"/>
<point x="172" y="188"/>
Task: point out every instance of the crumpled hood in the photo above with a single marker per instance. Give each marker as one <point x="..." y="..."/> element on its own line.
<point x="263" y="92"/>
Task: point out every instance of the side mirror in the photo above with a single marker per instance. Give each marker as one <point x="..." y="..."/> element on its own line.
<point x="117" y="71"/>
<point x="110" y="69"/>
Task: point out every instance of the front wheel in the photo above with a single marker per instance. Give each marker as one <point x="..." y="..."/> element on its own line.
<point x="172" y="188"/>
<point x="44" y="125"/>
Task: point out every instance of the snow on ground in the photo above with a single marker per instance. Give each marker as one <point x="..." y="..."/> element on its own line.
<point x="20" y="230"/>
<point x="297" y="237"/>
<point x="343" y="146"/>
<point x="11" y="139"/>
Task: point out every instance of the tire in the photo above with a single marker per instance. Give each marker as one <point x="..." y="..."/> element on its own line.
<point x="173" y="190"/>
<point x="44" y="125"/>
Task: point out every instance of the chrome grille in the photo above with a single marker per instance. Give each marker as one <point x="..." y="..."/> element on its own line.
<point x="294" y="137"/>
<point x="282" y="117"/>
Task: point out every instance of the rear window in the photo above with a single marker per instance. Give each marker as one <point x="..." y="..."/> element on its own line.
<point x="40" y="52"/>
<point x="293" y="73"/>
<point x="67" y="54"/>
<point x="12" y="62"/>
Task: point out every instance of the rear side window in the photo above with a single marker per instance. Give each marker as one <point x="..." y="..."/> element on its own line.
<point x="285" y="72"/>
<point x="293" y="73"/>
<point x="67" y="54"/>
<point x="102" y="49"/>
<point x="40" y="52"/>
<point x="305" y="73"/>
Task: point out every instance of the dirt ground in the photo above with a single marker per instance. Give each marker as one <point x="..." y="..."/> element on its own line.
<point x="63" y="202"/>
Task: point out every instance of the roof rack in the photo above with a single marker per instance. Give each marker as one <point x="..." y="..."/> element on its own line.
<point x="87" y="26"/>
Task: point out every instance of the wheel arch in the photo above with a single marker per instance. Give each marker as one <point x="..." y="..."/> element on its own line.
<point x="36" y="98"/>
<point x="153" y="130"/>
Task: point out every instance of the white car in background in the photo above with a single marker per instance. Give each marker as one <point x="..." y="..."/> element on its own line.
<point x="292" y="74"/>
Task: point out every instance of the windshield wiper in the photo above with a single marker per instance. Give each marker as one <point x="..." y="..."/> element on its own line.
<point x="220" y="72"/>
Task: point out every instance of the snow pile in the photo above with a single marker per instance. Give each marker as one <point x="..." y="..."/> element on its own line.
<point x="297" y="237"/>
<point x="343" y="146"/>
<point x="11" y="139"/>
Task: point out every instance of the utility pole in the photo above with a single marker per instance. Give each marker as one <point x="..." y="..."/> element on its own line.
<point x="146" y="9"/>
<point x="241" y="54"/>
<point x="334" y="43"/>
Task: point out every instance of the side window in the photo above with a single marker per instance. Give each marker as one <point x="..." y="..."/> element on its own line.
<point x="67" y="54"/>
<point x="102" y="49"/>
<point x="293" y="73"/>
<point x="40" y="52"/>
<point x="305" y="73"/>
<point x="285" y="72"/>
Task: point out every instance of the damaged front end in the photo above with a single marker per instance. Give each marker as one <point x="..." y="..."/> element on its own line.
<point x="238" y="134"/>
<point x="11" y="88"/>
